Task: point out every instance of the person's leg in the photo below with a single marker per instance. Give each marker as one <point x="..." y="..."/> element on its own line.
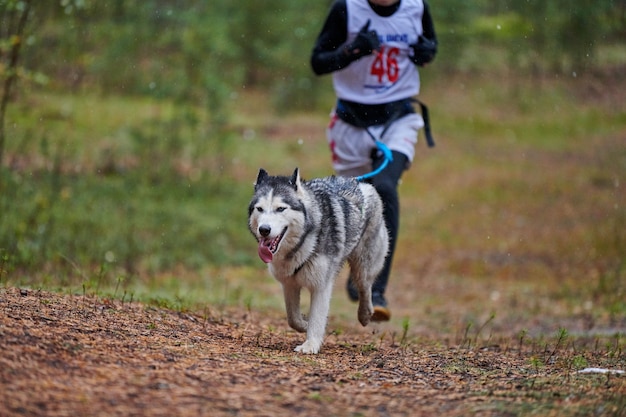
<point x="401" y="138"/>
<point x="386" y="183"/>
<point x="346" y="142"/>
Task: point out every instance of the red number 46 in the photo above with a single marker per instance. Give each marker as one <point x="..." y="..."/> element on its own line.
<point x="386" y="64"/>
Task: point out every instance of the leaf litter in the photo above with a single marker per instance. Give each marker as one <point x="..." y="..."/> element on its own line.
<point x="69" y="355"/>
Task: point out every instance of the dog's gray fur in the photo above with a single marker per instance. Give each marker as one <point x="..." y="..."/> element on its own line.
<point x="323" y="223"/>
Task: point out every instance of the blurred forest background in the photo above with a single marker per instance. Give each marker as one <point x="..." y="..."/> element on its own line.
<point x="206" y="51"/>
<point x="132" y="130"/>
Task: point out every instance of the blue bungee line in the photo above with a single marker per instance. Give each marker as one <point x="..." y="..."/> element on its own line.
<point x="386" y="152"/>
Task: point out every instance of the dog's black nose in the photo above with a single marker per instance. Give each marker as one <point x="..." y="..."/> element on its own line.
<point x="265" y="230"/>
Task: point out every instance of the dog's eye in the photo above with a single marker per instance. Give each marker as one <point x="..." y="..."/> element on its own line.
<point x="259" y="209"/>
<point x="281" y="209"/>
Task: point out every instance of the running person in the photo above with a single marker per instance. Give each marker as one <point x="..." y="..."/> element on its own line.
<point x="372" y="49"/>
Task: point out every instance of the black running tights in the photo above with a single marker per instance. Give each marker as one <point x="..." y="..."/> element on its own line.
<point x="386" y="183"/>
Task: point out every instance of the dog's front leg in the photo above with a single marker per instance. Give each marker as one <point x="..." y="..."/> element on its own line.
<point x="318" y="316"/>
<point x="291" y="293"/>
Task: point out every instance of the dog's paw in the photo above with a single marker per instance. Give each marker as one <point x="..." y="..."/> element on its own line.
<point x="309" y="347"/>
<point x="299" y="325"/>
<point x="365" y="313"/>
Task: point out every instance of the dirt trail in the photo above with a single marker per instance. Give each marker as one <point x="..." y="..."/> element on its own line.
<point x="77" y="356"/>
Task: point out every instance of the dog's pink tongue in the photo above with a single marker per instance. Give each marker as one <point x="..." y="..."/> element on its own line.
<point x="264" y="252"/>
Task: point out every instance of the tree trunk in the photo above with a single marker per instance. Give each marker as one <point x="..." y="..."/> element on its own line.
<point x="16" y="43"/>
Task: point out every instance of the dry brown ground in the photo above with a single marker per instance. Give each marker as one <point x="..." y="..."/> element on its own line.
<point x="75" y="355"/>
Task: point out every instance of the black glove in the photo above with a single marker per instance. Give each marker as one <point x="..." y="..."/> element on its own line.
<point x="365" y="43"/>
<point x="424" y="51"/>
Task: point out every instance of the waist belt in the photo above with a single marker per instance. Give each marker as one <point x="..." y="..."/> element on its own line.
<point x="366" y="115"/>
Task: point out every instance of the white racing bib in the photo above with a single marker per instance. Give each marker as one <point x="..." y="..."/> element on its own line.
<point x="387" y="74"/>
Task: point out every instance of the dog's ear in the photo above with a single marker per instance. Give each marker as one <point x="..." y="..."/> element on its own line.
<point x="295" y="179"/>
<point x="260" y="178"/>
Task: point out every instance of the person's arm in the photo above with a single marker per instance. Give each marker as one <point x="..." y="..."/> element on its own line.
<point x="427" y="24"/>
<point x="328" y="56"/>
<point x="425" y="49"/>
<point x="330" y="52"/>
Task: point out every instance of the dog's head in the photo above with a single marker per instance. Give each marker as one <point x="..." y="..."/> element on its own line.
<point x="276" y="214"/>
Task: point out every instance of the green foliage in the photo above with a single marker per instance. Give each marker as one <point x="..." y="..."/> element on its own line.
<point x="539" y="36"/>
<point x="53" y="221"/>
<point x="149" y="198"/>
<point x="206" y="52"/>
<point x="202" y="52"/>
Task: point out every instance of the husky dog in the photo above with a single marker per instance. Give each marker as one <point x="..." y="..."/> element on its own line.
<point x="306" y="231"/>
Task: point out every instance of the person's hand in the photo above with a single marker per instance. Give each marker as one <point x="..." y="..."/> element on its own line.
<point x="424" y="51"/>
<point x="364" y="44"/>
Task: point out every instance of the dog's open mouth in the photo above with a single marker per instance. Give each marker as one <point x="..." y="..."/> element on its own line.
<point x="268" y="247"/>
